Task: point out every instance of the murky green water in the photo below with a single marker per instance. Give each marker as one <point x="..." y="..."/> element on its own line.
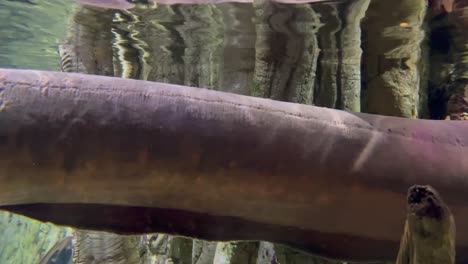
<point x="31" y="31"/>
<point x="393" y="58"/>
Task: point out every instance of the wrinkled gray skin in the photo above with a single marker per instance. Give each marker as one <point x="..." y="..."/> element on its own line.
<point x="132" y="157"/>
<point x="429" y="235"/>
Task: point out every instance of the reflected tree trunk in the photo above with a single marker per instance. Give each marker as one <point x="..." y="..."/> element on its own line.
<point x="238" y="58"/>
<point x="202" y="33"/>
<point x="326" y="90"/>
<point x="457" y="105"/>
<point x="91" y="28"/>
<point x="286" y="51"/>
<point x="236" y="253"/>
<point x="339" y="70"/>
<point x="161" y="249"/>
<point x="391" y="57"/>
<point x="203" y="252"/>
<point x="97" y="247"/>
<point x="350" y="64"/>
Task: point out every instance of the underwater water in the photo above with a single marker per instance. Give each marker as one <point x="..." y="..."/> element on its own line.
<point x="402" y="58"/>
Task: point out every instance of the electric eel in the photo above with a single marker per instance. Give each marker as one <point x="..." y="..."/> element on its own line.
<point x="131" y="157"/>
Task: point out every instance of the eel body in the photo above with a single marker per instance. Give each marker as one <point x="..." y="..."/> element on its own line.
<point x="429" y="234"/>
<point x="130" y="157"/>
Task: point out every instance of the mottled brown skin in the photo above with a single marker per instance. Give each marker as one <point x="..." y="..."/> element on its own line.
<point x="429" y="234"/>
